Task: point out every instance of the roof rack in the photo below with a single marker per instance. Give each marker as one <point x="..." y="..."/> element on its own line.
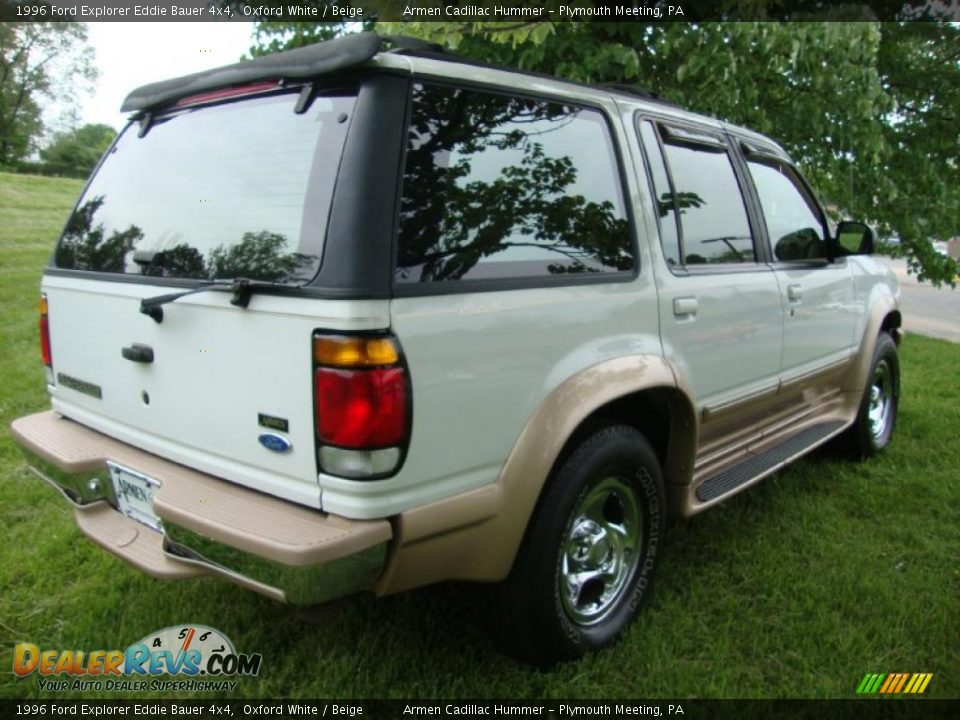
<point x="438" y="52"/>
<point x="633" y="90"/>
<point x="403" y="43"/>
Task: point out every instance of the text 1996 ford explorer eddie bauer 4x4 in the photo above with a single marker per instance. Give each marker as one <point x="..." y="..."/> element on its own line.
<point x="348" y="318"/>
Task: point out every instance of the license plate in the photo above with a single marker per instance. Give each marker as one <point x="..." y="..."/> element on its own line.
<point x="135" y="493"/>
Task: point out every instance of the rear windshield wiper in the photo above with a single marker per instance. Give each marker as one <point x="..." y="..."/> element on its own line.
<point x="241" y="288"/>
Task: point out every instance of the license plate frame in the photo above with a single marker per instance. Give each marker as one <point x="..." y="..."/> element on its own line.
<point x="134" y="492"/>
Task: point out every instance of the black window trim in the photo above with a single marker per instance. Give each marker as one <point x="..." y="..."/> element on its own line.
<point x="708" y="139"/>
<point x="456" y="287"/>
<point x="752" y="199"/>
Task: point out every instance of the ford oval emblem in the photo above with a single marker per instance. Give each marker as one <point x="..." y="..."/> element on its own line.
<point x="275" y="443"/>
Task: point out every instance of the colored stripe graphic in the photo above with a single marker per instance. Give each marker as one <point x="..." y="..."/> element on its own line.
<point x="894" y="683"/>
<point x="886" y="683"/>
<point x="901" y="682"/>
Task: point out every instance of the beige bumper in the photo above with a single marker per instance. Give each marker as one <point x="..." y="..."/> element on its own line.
<point x="210" y="526"/>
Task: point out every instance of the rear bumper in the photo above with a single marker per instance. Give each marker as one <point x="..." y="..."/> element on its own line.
<point x="210" y="526"/>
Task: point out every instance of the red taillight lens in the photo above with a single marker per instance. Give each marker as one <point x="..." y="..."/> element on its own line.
<point x="45" y="333"/>
<point x="361" y="409"/>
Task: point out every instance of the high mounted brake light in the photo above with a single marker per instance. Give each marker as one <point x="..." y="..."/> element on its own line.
<point x="362" y="404"/>
<point x="230" y="92"/>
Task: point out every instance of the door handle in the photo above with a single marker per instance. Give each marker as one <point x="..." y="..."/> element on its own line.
<point x="794" y="293"/>
<point x="685" y="306"/>
<point x="138" y="353"/>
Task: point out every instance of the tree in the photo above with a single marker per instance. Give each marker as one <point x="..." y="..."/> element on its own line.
<point x="38" y="62"/>
<point x="258" y="256"/>
<point x="76" y="152"/>
<point x="869" y="110"/>
<point x="85" y="244"/>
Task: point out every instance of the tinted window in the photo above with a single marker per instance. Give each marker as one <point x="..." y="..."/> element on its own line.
<point x="663" y="197"/>
<point x="713" y="218"/>
<point x="505" y="187"/>
<point x="793" y="223"/>
<point x="214" y="192"/>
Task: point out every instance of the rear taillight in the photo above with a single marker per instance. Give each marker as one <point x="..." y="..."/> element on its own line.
<point x="362" y="405"/>
<point x="45" y="333"/>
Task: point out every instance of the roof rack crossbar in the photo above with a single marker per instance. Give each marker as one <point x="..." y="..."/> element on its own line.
<point x="405" y="42"/>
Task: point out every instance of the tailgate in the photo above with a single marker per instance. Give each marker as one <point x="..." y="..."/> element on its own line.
<point x="221" y="376"/>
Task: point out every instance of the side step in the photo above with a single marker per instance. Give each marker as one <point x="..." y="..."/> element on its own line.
<point x="745" y="471"/>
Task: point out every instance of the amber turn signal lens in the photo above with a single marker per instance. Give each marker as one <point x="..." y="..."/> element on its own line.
<point x="336" y="351"/>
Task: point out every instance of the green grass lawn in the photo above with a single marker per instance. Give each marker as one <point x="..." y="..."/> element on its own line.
<point x="796" y="588"/>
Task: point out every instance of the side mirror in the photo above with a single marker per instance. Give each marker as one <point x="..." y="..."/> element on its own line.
<point x="854" y="238"/>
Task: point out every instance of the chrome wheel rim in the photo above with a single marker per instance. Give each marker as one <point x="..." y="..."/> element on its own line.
<point x="881" y="400"/>
<point x="600" y="551"/>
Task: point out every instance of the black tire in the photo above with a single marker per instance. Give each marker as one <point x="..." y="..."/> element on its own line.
<point x="877" y="416"/>
<point x="606" y="496"/>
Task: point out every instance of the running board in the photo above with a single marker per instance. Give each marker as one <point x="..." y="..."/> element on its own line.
<point x="766" y="462"/>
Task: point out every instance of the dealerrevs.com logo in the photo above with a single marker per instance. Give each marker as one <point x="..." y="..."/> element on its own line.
<point x="201" y="657"/>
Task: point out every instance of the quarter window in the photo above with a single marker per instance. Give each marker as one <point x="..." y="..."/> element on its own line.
<point x="501" y="187"/>
<point x="793" y="221"/>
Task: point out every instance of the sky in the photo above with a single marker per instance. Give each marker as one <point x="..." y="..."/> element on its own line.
<point x="131" y="54"/>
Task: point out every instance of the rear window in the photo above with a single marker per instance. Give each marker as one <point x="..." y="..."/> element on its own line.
<point x="214" y="192"/>
<point x="499" y="187"/>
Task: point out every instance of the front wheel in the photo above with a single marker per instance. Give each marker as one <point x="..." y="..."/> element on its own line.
<point x="873" y="428"/>
<point x="588" y="559"/>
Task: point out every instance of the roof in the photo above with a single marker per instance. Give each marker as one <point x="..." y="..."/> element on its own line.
<point x="355" y="49"/>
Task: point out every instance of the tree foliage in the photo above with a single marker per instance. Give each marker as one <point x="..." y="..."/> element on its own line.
<point x="869" y="110"/>
<point x="85" y="244"/>
<point x="39" y="63"/>
<point x="88" y="243"/>
<point x="76" y="152"/>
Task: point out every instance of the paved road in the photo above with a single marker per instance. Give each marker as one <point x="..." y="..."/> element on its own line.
<point x="926" y="309"/>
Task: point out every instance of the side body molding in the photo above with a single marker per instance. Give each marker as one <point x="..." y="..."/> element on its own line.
<point x="475" y="536"/>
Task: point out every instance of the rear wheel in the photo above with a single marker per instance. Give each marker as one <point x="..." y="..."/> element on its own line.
<point x="587" y="562"/>
<point x="873" y="428"/>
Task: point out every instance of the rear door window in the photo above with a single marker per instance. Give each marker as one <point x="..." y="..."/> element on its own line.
<point x="214" y="192"/>
<point x="703" y="216"/>
<point x="498" y="187"/>
<point x="713" y="217"/>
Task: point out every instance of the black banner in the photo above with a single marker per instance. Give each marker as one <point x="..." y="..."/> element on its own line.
<point x="893" y="709"/>
<point x="474" y="10"/>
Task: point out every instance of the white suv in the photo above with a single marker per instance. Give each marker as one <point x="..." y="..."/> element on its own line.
<point x="347" y="318"/>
